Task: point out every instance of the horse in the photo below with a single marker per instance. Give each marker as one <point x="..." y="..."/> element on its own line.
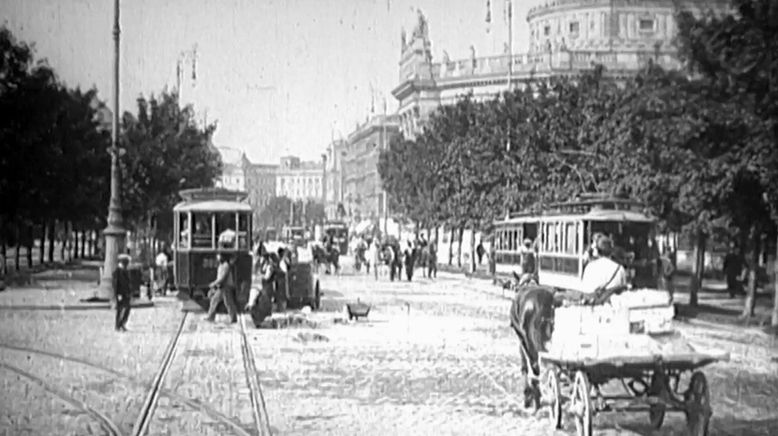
<point x="532" y="318"/>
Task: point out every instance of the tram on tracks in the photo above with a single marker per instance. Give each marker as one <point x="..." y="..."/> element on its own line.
<point x="562" y="233"/>
<point x="585" y="347"/>
<point x="208" y="222"/>
<point x="338" y="231"/>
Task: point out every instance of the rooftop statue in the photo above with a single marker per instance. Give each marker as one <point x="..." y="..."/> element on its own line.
<point x="420" y="31"/>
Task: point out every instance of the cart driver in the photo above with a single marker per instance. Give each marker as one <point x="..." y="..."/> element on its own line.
<point x="603" y="276"/>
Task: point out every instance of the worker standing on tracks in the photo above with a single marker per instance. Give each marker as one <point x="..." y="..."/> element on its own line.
<point x="121" y="288"/>
<point x="223" y="289"/>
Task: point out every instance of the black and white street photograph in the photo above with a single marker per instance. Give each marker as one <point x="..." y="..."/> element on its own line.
<point x="389" y="217"/>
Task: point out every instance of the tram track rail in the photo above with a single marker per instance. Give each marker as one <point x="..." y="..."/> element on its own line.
<point x="106" y="423"/>
<point x="258" y="406"/>
<point x="156" y="388"/>
<point x="143" y="422"/>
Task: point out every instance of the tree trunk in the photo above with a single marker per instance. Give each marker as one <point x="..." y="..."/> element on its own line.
<point x="84" y="253"/>
<point x="17" y="256"/>
<point x="30" y="243"/>
<point x="459" y="246"/>
<point x="62" y="242"/>
<point x="451" y="247"/>
<point x="699" y="268"/>
<point x="3" y="251"/>
<point x="52" y="239"/>
<point x="774" y="318"/>
<point x="75" y="244"/>
<point x="473" y="254"/>
<point x="753" y="265"/>
<point x="436" y="237"/>
<point x="43" y="243"/>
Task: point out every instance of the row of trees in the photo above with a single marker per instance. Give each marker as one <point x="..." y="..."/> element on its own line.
<point x="698" y="146"/>
<point x="55" y="166"/>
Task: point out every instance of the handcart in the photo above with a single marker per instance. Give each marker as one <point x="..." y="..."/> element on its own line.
<point x="631" y="342"/>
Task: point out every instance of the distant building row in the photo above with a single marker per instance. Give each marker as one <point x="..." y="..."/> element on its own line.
<point x="292" y="178"/>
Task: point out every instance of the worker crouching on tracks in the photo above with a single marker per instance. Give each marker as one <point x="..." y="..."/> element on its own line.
<point x="223" y="289"/>
<point x="260" y="304"/>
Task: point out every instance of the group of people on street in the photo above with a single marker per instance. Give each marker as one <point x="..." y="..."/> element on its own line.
<point x="272" y="269"/>
<point x="395" y="257"/>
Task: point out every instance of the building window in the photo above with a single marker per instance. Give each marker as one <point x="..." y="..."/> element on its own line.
<point x="574" y="27"/>
<point x="547" y="30"/>
<point x="646" y="25"/>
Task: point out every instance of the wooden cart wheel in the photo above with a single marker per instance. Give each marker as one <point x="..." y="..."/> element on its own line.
<point x="582" y="404"/>
<point x="656" y="412"/>
<point x="698" y="409"/>
<point x="552" y="394"/>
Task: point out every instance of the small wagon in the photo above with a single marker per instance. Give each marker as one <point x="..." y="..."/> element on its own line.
<point x="631" y="342"/>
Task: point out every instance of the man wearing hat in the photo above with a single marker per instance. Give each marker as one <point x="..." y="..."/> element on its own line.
<point x="528" y="271"/>
<point x="223" y="288"/>
<point x="603" y="273"/>
<point x="121" y="288"/>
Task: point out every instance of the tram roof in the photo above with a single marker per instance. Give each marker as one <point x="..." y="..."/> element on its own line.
<point x="212" y="206"/>
<point x="592" y="215"/>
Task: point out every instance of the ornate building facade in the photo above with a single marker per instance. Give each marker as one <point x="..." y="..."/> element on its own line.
<point x="567" y="38"/>
<point x="260" y="184"/>
<point x="362" y="193"/>
<point x="300" y="180"/>
<point x="233" y="176"/>
<point x="333" y="179"/>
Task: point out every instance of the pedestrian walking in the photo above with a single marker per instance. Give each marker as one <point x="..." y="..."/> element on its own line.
<point x="162" y="274"/>
<point x="408" y="260"/>
<point x="667" y="271"/>
<point x="223" y="289"/>
<point x="123" y="292"/>
<point x="733" y="270"/>
<point x="432" y="260"/>
<point x="479" y="250"/>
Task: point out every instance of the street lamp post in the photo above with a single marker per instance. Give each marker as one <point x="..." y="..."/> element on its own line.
<point x="114" y="232"/>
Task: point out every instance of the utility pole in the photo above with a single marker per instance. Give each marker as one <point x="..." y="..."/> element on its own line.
<point x="509" y="88"/>
<point x="385" y="146"/>
<point x="114" y="232"/>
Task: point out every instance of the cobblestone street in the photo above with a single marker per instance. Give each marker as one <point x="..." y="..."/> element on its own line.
<point x="434" y="357"/>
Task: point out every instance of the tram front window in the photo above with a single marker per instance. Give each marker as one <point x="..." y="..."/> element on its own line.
<point x="202" y="237"/>
<point x="243" y="231"/>
<point x="630" y="239"/>
<point x="225" y="229"/>
<point x="183" y="225"/>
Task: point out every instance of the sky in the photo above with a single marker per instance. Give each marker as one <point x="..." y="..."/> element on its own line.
<point x="279" y="77"/>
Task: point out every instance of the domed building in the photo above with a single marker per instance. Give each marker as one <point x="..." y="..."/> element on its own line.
<point x="567" y="38"/>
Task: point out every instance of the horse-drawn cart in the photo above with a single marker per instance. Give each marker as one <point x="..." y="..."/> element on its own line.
<point x="629" y="344"/>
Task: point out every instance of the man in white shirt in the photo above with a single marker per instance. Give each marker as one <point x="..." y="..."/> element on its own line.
<point x="602" y="273"/>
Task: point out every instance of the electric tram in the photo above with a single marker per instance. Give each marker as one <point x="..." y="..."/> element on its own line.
<point x="208" y="222"/>
<point x="562" y="233"/>
<point x="338" y="231"/>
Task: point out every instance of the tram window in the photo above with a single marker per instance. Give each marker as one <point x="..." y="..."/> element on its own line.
<point x="243" y="231"/>
<point x="571" y="237"/>
<point x="183" y="225"/>
<point x="225" y="229"/>
<point x="202" y="237"/>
